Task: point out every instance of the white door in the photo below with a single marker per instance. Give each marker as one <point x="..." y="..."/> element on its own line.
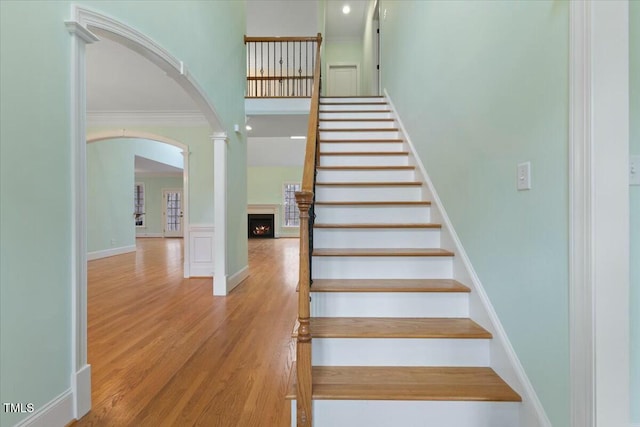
<point x="172" y="212"/>
<point x="343" y="80"/>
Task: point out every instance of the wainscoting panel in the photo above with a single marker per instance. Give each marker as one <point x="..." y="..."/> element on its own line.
<point x="201" y="250"/>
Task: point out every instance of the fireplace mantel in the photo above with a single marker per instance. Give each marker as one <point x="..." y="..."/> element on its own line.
<point x="267" y="209"/>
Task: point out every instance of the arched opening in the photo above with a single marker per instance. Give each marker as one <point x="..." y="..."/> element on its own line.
<point x="87" y="26"/>
<point x="125" y="134"/>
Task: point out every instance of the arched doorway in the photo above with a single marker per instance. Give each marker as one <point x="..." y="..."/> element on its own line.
<point x="86" y="26"/>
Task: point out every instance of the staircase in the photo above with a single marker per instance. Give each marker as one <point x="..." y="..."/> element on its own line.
<point x="392" y="341"/>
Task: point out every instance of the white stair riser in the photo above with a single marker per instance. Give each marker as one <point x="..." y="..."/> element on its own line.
<point x="342" y="147"/>
<point x="396" y="413"/>
<point x="400" y="352"/>
<point x="381" y="267"/>
<point x="352" y="99"/>
<point x="376" y="238"/>
<point x="359" y="194"/>
<point x="385" y="134"/>
<point x="371" y="175"/>
<point x="393" y="214"/>
<point x="360" y="160"/>
<point x="356" y="115"/>
<point x="357" y="124"/>
<point x="351" y="107"/>
<point x="390" y="304"/>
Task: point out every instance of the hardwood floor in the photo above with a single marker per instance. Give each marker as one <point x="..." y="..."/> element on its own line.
<point x="165" y="352"/>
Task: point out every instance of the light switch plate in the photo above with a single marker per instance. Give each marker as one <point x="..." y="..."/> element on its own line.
<point x="634" y="170"/>
<point x="524" y="176"/>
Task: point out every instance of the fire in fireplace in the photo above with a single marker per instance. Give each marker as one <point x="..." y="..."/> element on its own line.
<point x="261" y="226"/>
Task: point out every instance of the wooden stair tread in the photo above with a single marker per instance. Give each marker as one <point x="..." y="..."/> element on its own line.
<point x="407" y="383"/>
<point x="369" y="252"/>
<point x="357" y="120"/>
<point x="378" y="225"/>
<point x="361" y="130"/>
<point x="375" y="203"/>
<point x="388" y="285"/>
<point x="395" y="327"/>
<point x="363" y="168"/>
<point x="364" y="141"/>
<point x="355" y="111"/>
<point x="364" y="153"/>
<point x="354" y="103"/>
<point x="371" y="184"/>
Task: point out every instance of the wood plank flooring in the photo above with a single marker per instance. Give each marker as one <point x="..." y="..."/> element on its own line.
<point x="165" y="352"/>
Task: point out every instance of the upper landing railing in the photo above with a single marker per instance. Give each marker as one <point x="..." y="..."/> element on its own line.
<point x="281" y="67"/>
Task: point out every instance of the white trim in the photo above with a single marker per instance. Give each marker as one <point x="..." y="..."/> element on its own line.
<point x="146" y="118"/>
<point x="78" y="165"/>
<point x="135" y="134"/>
<point x="81" y="386"/>
<point x="268" y="209"/>
<point x="57" y="412"/>
<point x="105" y="253"/>
<point x="154" y="235"/>
<point x="503" y="357"/>
<point x="202" y="266"/>
<point x="235" y="279"/>
<point x="220" y="148"/>
<point x="581" y="322"/>
<point x="609" y="210"/>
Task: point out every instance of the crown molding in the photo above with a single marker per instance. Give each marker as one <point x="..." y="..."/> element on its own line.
<point x="152" y="118"/>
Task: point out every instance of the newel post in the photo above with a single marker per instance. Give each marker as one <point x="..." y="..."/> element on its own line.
<point x="303" y="345"/>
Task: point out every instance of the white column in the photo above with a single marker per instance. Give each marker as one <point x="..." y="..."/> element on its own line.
<point x="220" y="212"/>
<point x="81" y="370"/>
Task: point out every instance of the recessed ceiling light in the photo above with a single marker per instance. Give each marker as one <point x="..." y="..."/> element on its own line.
<point x="346" y="9"/>
<point x="298" y="137"/>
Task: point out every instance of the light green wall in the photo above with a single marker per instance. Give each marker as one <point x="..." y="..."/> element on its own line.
<point x="265" y="187"/>
<point x="35" y="204"/>
<point x="198" y="139"/>
<point x="482" y="86"/>
<point x="35" y="184"/>
<point x="153" y="187"/>
<point x="110" y="181"/>
<point x="634" y="215"/>
<point x="349" y="52"/>
<point x="368" y="59"/>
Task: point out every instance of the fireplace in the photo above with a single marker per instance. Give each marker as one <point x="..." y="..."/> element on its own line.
<point x="261" y="226"/>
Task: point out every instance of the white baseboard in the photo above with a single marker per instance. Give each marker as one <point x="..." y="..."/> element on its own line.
<point x="504" y="359"/>
<point x="149" y="235"/>
<point x="58" y="412"/>
<point x="235" y="279"/>
<point x="110" y="252"/>
<point x="82" y="389"/>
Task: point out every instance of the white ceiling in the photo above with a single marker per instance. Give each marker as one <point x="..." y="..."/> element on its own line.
<point x="341" y="27"/>
<point x="148" y="166"/>
<point x="119" y="79"/>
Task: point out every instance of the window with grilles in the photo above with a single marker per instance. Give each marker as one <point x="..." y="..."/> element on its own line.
<point x="291" y="211"/>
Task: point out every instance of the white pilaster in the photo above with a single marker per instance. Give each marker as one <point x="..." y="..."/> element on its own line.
<point x="80" y="370"/>
<point x="220" y="212"/>
<point x="599" y="213"/>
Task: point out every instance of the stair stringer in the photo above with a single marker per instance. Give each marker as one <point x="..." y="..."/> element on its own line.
<point x="503" y="358"/>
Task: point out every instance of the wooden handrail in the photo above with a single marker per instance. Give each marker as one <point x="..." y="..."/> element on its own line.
<point x="305" y="199"/>
<point x="317" y="38"/>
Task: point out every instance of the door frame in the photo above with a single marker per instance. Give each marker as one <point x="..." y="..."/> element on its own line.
<point x="343" y="64"/>
<point x="164" y="210"/>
